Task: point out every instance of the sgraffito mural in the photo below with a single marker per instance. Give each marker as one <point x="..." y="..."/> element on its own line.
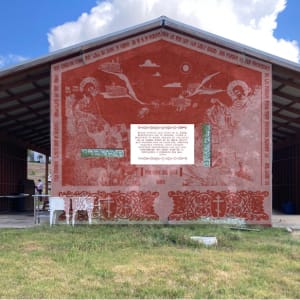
<point x="163" y="127"/>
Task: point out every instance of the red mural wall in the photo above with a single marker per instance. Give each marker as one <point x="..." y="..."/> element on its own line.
<point x="163" y="127"/>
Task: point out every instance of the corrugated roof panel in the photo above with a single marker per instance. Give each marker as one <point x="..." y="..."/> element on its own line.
<point x="288" y="114"/>
<point x="288" y="130"/>
<point x="291" y="91"/>
<point x="17" y="111"/>
<point x="296" y="105"/>
<point x="297" y="125"/>
<point x="280" y="120"/>
<point x="31" y="97"/>
<point x="22" y="88"/>
<point x="281" y="100"/>
<point x="8" y="105"/>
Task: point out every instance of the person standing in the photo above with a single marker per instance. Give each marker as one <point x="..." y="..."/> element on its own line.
<point x="39" y="187"/>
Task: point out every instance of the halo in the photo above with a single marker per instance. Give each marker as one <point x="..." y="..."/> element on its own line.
<point x="89" y="80"/>
<point x="234" y="84"/>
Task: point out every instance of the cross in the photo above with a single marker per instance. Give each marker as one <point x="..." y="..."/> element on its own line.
<point x="218" y="200"/>
<point x="108" y="201"/>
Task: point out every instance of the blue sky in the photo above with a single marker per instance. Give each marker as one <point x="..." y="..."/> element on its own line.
<point x="289" y="21"/>
<point x="25" y="23"/>
<point x="31" y="28"/>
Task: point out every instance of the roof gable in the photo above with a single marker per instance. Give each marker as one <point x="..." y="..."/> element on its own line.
<point x="25" y="88"/>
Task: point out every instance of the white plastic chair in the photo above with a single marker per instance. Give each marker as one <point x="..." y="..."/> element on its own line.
<point x="82" y="203"/>
<point x="59" y="203"/>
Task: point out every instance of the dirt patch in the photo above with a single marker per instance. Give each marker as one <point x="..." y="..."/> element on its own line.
<point x="296" y="234"/>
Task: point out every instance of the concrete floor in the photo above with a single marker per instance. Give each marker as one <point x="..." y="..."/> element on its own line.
<point x="26" y="220"/>
<point x="282" y="220"/>
<point x="16" y="220"/>
<point x="22" y="220"/>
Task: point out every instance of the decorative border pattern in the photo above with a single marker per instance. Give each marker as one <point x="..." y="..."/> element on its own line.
<point x="133" y="205"/>
<point x="191" y="205"/>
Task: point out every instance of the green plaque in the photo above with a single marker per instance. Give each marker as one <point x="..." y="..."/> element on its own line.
<point x="206" y="142"/>
<point x="119" y="153"/>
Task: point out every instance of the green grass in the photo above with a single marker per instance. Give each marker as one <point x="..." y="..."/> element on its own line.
<point x="148" y="261"/>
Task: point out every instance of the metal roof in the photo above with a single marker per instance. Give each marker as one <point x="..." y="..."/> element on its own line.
<point x="25" y="88"/>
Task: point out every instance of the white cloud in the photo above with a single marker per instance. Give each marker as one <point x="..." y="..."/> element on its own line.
<point x="250" y="22"/>
<point x="11" y="59"/>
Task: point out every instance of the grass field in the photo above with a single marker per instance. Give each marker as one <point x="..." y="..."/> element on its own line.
<point x="148" y="261"/>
